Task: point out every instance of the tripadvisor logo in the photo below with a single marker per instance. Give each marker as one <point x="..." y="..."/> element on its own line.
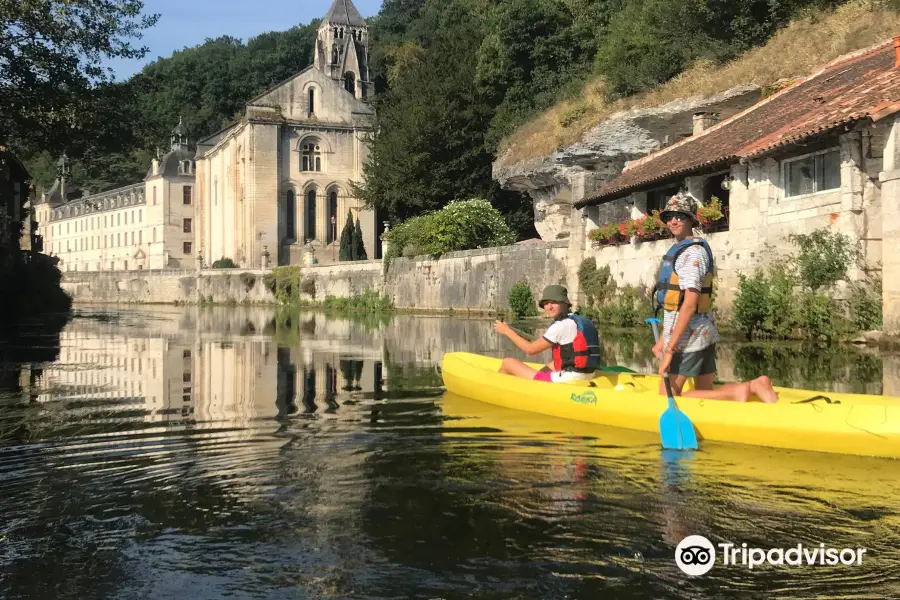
<point x="695" y="555"/>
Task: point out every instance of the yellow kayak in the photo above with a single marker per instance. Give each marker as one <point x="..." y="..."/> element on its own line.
<point x="801" y="419"/>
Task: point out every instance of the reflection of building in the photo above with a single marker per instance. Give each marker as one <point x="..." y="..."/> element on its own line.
<point x="212" y="367"/>
<point x="148" y="225"/>
<point x="281" y="176"/>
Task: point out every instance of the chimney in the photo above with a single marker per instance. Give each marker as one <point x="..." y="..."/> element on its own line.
<point x="704" y="120"/>
<point x="897" y="50"/>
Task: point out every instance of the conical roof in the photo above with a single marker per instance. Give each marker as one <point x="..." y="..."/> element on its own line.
<point x="342" y="12"/>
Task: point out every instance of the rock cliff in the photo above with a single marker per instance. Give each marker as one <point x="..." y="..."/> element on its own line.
<point x="606" y="149"/>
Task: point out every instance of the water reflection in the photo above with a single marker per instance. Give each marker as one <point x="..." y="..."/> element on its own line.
<point x="237" y="452"/>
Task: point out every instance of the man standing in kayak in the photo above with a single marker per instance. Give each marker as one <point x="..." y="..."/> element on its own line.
<point x="687" y="347"/>
<point x="573" y="338"/>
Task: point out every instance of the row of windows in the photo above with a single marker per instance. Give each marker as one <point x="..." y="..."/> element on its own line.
<point x="112" y="240"/>
<point x="310" y="216"/>
<point x="94" y="223"/>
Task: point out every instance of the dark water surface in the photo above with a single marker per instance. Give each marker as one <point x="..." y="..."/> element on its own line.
<point x="216" y="453"/>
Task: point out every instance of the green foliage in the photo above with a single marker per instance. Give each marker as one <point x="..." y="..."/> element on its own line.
<point x="750" y="309"/>
<point x="346" y="249"/>
<point x="521" y="300"/>
<point x="358" y="248"/>
<point x="866" y="306"/>
<point x="596" y="284"/>
<point x="52" y="72"/>
<point x="224" y="263"/>
<point x="792" y="299"/>
<point x="463" y="225"/>
<point x="651" y="41"/>
<point x="824" y="257"/>
<point x="368" y="301"/>
<point x="624" y="309"/>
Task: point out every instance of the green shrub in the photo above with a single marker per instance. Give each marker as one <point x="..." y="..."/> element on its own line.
<point x="461" y="225"/>
<point x="224" y="263"/>
<point x="521" y="301"/>
<point x="597" y="285"/>
<point x="866" y="306"/>
<point x="751" y="309"/>
<point x="818" y="316"/>
<point x="624" y="311"/>
<point x="824" y="257"/>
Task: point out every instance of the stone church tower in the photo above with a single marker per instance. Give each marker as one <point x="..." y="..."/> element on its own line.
<point x="278" y="183"/>
<point x="342" y="48"/>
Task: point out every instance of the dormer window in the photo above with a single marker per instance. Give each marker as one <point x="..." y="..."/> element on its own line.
<point x="312" y="157"/>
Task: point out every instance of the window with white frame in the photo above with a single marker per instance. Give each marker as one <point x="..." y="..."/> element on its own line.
<point x="812" y="173"/>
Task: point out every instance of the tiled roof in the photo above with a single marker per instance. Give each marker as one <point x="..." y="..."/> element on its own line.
<point x="861" y="85"/>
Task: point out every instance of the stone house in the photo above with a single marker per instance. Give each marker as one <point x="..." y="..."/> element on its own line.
<point x="279" y="181"/>
<point x="146" y="225"/>
<point x="820" y="153"/>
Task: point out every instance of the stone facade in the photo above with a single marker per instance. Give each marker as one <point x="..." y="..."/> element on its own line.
<point x="762" y="211"/>
<point x="279" y="181"/>
<point x="146" y="225"/>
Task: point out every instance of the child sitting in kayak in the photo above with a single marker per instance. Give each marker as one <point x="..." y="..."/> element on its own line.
<point x="573" y="339"/>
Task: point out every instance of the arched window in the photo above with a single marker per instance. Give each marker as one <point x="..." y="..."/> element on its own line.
<point x="311" y="215"/>
<point x="290" y="207"/>
<point x="334" y="54"/>
<point x="350" y="83"/>
<point x="312" y="101"/>
<point x="331" y="213"/>
<point x="312" y="157"/>
<point x="342" y="33"/>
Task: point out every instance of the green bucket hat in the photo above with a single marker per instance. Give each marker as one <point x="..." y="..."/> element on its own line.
<point x="554" y="293"/>
<point x="680" y="203"/>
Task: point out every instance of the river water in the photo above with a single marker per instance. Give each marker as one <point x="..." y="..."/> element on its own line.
<point x="226" y="453"/>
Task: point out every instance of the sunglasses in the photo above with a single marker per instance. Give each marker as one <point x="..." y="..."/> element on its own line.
<point x="678" y="217"/>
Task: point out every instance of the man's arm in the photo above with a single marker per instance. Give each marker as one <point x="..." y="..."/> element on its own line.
<point x="530" y="348"/>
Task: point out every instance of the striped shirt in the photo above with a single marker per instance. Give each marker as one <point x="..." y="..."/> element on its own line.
<point x="701" y="333"/>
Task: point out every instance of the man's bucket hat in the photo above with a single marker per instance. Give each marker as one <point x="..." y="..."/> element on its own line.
<point x="554" y="293"/>
<point x="680" y="203"/>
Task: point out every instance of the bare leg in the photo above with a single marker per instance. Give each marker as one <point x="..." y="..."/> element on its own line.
<point x="514" y="366"/>
<point x="736" y="392"/>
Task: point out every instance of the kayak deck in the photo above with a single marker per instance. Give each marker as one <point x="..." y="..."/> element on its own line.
<point x="801" y="419"/>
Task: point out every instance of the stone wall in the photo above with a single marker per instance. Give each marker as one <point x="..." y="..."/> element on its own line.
<point x="475" y="280"/>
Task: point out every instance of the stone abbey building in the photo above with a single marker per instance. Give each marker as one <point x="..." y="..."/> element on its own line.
<point x="148" y="225"/>
<point x="277" y="184"/>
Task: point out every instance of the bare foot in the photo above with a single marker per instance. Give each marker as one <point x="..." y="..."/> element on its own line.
<point x="762" y="388"/>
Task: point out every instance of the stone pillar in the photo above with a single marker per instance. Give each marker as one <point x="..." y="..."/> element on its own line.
<point x="265" y="257"/>
<point x="890" y="223"/>
<point x="583" y="184"/>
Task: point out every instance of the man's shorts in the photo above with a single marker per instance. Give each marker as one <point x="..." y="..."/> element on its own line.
<point x="694" y="364"/>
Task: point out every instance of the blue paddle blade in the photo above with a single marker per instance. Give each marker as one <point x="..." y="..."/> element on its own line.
<point x="676" y="430"/>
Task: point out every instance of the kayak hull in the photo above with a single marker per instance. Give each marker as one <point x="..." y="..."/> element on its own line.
<point x="801" y="419"/>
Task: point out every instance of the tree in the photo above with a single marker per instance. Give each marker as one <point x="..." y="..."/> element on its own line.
<point x="346" y="249"/>
<point x="51" y="55"/>
<point x="359" y="248"/>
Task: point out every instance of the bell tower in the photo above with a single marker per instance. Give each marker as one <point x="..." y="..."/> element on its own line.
<point x="342" y="48"/>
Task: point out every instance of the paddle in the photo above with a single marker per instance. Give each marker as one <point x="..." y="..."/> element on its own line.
<point x="675" y="428"/>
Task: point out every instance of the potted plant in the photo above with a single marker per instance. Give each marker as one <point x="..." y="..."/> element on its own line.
<point x="651" y="228"/>
<point x="710" y="217"/>
<point x="607" y="235"/>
